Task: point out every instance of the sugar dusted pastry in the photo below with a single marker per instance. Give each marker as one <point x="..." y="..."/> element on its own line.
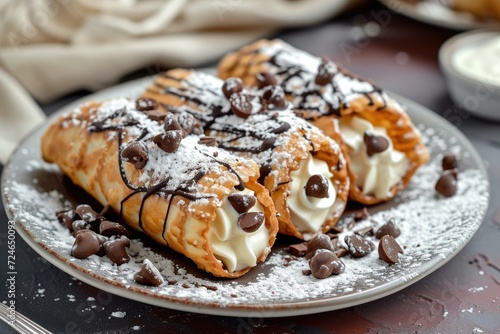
<point x="304" y="170"/>
<point x="383" y="147"/>
<point x="199" y="200"/>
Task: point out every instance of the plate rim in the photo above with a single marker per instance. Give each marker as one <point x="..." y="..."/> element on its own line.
<point x="272" y="310"/>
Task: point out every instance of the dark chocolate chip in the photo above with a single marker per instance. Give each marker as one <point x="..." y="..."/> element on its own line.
<point x="172" y="124"/>
<point x="267" y="143"/>
<point x="136" y="154"/>
<point x="326" y="72"/>
<point x="341" y="252"/>
<point x="375" y="144"/>
<point x="67" y="218"/>
<point x="450" y="161"/>
<point x="361" y="215"/>
<point x="284" y="127"/>
<point x="80" y="224"/>
<point x="336" y="230"/>
<point x="155" y="115"/>
<point x="86" y="244"/>
<point x="317" y="186"/>
<point x="358" y="246"/>
<point x="264" y="170"/>
<point x="242" y="202"/>
<point x="169" y="141"/>
<point x="306" y="272"/>
<point x="241" y="105"/>
<point x="388" y="228"/>
<point x="87" y="213"/>
<point x="109" y="229"/>
<point x="208" y="141"/>
<point x="189" y="123"/>
<point x="265" y="79"/>
<point x="365" y="231"/>
<point x="324" y="262"/>
<point x="447" y="184"/>
<point x="146" y="103"/>
<point x="231" y="86"/>
<point x="250" y="221"/>
<point x="321" y="241"/>
<point x="298" y="250"/>
<point x="338" y="266"/>
<point x="388" y="249"/>
<point x="275" y="97"/>
<point x="148" y="274"/>
<point x="115" y="250"/>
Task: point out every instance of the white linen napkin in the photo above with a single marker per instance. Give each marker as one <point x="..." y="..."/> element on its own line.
<point x="52" y="47"/>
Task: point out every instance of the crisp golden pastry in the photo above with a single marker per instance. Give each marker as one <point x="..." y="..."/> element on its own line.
<point x="199" y="200"/>
<point x="383" y="147"/>
<point x="479" y="8"/>
<point x="304" y="170"/>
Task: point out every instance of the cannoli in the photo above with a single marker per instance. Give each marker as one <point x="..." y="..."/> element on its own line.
<point x="304" y="170"/>
<point x="383" y="147"/>
<point x="199" y="200"/>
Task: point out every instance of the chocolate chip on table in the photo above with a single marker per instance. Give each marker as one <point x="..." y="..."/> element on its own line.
<point x="208" y="141"/>
<point x="232" y="85"/>
<point x="108" y="229"/>
<point x="325" y="263"/>
<point x="148" y="274"/>
<point x="449" y="161"/>
<point x="265" y="79"/>
<point x="375" y="144"/>
<point x="321" y="241"/>
<point x="171" y="123"/>
<point x="317" y="186"/>
<point x="115" y="250"/>
<point x="67" y="218"/>
<point x="169" y="141"/>
<point x="250" y="221"/>
<point x="326" y="72"/>
<point x="388" y="228"/>
<point x="155" y="115"/>
<point x="189" y="123"/>
<point x="86" y="244"/>
<point x="275" y="98"/>
<point x="241" y="105"/>
<point x="146" y="103"/>
<point x="136" y="154"/>
<point x="87" y="213"/>
<point x="298" y="250"/>
<point x="446" y="184"/>
<point x="242" y="202"/>
<point x="388" y="249"/>
<point x="358" y="246"/>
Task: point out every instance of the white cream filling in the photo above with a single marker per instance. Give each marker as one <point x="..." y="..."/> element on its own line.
<point x="309" y="213"/>
<point x="376" y="175"/>
<point x="236" y="248"/>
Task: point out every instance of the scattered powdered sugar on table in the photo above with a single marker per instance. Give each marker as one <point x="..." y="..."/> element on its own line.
<point x="432" y="229"/>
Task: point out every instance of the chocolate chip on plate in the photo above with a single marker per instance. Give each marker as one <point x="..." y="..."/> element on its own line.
<point x="326" y="72"/>
<point x="86" y="244"/>
<point x="275" y="97"/>
<point x="108" y="229"/>
<point x="232" y="85"/>
<point x="361" y="215"/>
<point x="365" y="231"/>
<point x="171" y="123"/>
<point x="80" y="224"/>
<point x="242" y="202"/>
<point x="325" y="263"/>
<point x="208" y="141"/>
<point x="298" y="250"/>
<point x="358" y="246"/>
<point x="449" y="161"/>
<point x="148" y="274"/>
<point x="388" y="228"/>
<point x="146" y="103"/>
<point x="447" y="184"/>
<point x="388" y="249"/>
<point x="86" y="213"/>
<point x="250" y="221"/>
<point x="169" y="141"/>
<point x="317" y="186"/>
<point x="136" y="154"/>
<point x="265" y="79"/>
<point x="116" y="250"/>
<point x="241" y="105"/>
<point x="321" y="241"/>
<point x="67" y="218"/>
<point x="374" y="143"/>
<point x="189" y="123"/>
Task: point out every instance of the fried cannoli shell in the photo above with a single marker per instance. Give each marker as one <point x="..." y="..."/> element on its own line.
<point x="92" y="161"/>
<point x="375" y="106"/>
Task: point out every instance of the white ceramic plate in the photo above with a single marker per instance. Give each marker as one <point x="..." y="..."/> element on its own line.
<point x="439" y="13"/>
<point x="433" y="229"/>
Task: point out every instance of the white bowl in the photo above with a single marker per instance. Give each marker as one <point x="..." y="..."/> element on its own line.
<point x="470" y="93"/>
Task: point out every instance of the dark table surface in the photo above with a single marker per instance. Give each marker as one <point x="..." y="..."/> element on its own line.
<point x="463" y="296"/>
